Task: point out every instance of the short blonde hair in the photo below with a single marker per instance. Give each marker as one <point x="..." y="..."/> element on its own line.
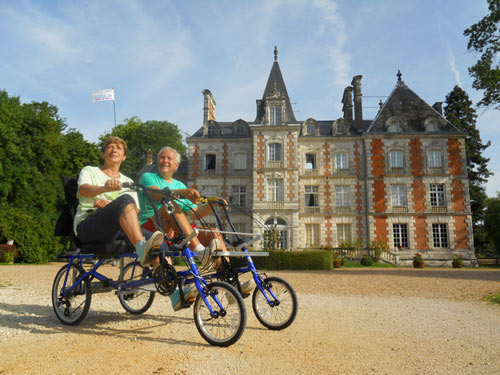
<point x="112" y="139"/>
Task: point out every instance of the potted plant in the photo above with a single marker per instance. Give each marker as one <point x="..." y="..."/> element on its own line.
<point x="337" y="260"/>
<point x="418" y="261"/>
<point x="457" y="261"/>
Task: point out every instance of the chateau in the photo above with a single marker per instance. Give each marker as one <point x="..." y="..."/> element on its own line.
<point x="400" y="177"/>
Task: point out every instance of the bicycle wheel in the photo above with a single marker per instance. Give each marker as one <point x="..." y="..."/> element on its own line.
<point x="282" y="310"/>
<point x="135" y="301"/>
<point x="72" y="308"/>
<point x="226" y="326"/>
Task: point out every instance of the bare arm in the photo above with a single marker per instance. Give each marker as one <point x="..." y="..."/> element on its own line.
<point x="89" y="191"/>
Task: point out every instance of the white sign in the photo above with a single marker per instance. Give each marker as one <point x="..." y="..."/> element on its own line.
<point x="103" y="95"/>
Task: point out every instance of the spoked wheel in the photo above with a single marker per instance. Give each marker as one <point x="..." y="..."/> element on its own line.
<point x="282" y="310"/>
<point x="71" y="308"/>
<point x="135" y="301"/>
<point x="226" y="325"/>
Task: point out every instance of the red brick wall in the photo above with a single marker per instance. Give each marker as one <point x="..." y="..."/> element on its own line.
<point x="327" y="159"/>
<point x="461" y="240"/>
<point x="328" y="231"/>
<point x="381" y="228"/>
<point x="260" y="151"/>
<point x="377" y="158"/>
<point x="416" y="158"/>
<point x="260" y="186"/>
<point x="290" y="151"/>
<point x="455" y="165"/>
<point x="420" y="232"/>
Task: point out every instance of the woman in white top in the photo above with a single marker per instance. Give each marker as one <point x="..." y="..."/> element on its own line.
<point x="107" y="212"/>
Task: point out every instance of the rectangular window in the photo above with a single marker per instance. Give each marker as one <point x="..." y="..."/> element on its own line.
<point x="275" y="115"/>
<point x="396" y="159"/>
<point x="342" y="196"/>
<point x="434" y="159"/>
<point x="209" y="191"/>
<point x="275" y="190"/>
<point x="239" y="196"/>
<point x="311" y="196"/>
<point x="440" y="235"/>
<point x="437" y="195"/>
<point x="400" y="235"/>
<point x="343" y="234"/>
<point x="240" y="161"/>
<point x="398" y="194"/>
<point x="312" y="235"/>
<point x="210" y="162"/>
<point x="274" y="152"/>
<point x="310" y="161"/>
<point x="341" y="160"/>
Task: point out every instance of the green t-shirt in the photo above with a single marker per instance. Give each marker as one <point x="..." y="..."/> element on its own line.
<point x="154" y="179"/>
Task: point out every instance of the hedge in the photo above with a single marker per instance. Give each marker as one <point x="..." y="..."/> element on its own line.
<point x="293" y="260"/>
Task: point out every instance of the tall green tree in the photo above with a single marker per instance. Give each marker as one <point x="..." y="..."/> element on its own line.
<point x="484" y="37"/>
<point x="492" y="221"/>
<point x="143" y="136"/>
<point x="34" y="154"/>
<point x="460" y="112"/>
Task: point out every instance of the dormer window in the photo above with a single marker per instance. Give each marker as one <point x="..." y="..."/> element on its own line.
<point x="310" y="129"/>
<point x="275" y="115"/>
<point x="393" y="125"/>
<point x="431" y="125"/>
<point x="240" y="130"/>
<point x="211" y="130"/>
<point x="340" y="127"/>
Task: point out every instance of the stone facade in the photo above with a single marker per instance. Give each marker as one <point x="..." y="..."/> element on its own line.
<point x="400" y="178"/>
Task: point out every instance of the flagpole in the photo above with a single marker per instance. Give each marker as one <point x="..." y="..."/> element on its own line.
<point x="114" y="111"/>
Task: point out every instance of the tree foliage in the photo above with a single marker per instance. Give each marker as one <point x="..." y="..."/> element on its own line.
<point x="34" y="153"/>
<point x="460" y="112"/>
<point x="492" y="221"/>
<point x="143" y="136"/>
<point x="484" y="37"/>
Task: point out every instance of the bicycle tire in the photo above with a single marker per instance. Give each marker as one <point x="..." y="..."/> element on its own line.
<point x="136" y="301"/>
<point x="72" y="308"/>
<point x="228" y="327"/>
<point x="278" y="316"/>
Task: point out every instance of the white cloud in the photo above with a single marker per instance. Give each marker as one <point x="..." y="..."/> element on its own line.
<point x="450" y="56"/>
<point x="332" y="25"/>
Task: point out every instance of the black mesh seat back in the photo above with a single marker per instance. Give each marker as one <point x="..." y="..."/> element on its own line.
<point x="64" y="227"/>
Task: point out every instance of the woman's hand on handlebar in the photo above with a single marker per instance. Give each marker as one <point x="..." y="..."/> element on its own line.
<point x="113" y="185"/>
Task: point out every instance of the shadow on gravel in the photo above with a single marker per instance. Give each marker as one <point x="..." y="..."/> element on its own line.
<point x="39" y="319"/>
<point x="458" y="274"/>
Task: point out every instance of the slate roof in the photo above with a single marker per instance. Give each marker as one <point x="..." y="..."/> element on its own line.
<point x="408" y="106"/>
<point x="275" y="82"/>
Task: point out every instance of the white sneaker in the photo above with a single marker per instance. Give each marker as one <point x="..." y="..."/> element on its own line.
<point x="154" y="241"/>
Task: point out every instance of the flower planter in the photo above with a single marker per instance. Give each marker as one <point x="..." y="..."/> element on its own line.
<point x="456" y="264"/>
<point x="418" y="264"/>
<point x="8" y="253"/>
<point x="337" y="263"/>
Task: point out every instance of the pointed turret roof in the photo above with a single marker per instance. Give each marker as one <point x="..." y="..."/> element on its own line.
<point x="275" y="85"/>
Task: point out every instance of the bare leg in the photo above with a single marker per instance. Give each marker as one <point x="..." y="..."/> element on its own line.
<point x="130" y="224"/>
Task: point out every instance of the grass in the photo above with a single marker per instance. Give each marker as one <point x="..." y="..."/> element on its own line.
<point x="493" y="298"/>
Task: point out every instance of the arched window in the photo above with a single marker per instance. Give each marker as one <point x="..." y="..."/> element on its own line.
<point x="340" y="127"/>
<point x="276" y="234"/>
<point x="274" y="152"/>
<point x="310" y="129"/>
<point x="240" y="130"/>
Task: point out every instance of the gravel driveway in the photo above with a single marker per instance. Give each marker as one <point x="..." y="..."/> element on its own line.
<point x="350" y="321"/>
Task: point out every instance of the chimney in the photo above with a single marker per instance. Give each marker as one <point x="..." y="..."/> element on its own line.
<point x="358" y="106"/>
<point x="208" y="106"/>
<point x="149" y="157"/>
<point x="347" y="101"/>
<point x="438" y="106"/>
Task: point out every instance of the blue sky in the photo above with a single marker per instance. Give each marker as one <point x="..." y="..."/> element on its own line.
<point x="160" y="55"/>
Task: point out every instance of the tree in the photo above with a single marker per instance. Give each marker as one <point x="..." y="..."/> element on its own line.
<point x="492" y="221"/>
<point x="77" y="153"/>
<point x="459" y="112"/>
<point x="143" y="136"/>
<point x="484" y="38"/>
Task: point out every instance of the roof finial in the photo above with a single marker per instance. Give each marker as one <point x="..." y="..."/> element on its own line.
<point x="399" y="76"/>
<point x="380" y="103"/>
<point x="275" y="53"/>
